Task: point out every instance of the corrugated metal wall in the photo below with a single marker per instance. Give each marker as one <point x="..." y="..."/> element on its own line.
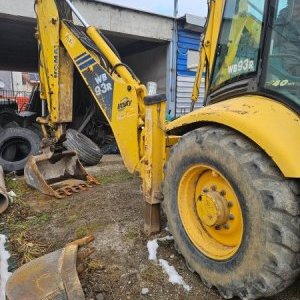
<point x="187" y="40"/>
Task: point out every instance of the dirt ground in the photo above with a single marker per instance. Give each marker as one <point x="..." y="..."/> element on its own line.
<point x="113" y="213"/>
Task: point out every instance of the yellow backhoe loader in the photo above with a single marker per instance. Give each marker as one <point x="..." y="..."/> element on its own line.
<point x="226" y="174"/>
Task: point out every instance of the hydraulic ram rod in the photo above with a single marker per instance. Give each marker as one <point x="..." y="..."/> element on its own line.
<point x="77" y="14"/>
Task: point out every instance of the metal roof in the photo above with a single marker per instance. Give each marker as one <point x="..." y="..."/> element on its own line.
<point x="193" y="22"/>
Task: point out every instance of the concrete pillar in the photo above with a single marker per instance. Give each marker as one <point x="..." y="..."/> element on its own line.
<point x="17" y="81"/>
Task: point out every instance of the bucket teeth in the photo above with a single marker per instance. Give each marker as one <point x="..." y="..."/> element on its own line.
<point x="66" y="191"/>
<point x="83" y="187"/>
<point x="75" y="189"/>
<point x="92" y="180"/>
<point x="70" y="190"/>
<point x="60" y="194"/>
<point x="82" y="255"/>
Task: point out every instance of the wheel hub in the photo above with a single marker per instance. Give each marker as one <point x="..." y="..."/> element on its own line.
<point x="212" y="209"/>
<point x="210" y="212"/>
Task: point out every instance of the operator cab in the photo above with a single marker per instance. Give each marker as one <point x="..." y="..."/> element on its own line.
<point x="258" y="51"/>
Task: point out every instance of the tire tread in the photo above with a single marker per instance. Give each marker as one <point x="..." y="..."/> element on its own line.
<point x="284" y="250"/>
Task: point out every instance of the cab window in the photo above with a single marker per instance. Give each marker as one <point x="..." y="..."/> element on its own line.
<point x="283" y="60"/>
<point x="239" y="41"/>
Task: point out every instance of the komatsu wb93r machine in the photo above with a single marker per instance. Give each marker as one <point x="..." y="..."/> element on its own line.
<point x="226" y="174"/>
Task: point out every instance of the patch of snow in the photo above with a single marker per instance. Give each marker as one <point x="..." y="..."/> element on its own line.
<point x="12" y="194"/>
<point x="4" y="274"/>
<point x="166" y="238"/>
<point x="152" y="249"/>
<point x="153" y="246"/>
<point x="145" y="291"/>
<point x="174" y="277"/>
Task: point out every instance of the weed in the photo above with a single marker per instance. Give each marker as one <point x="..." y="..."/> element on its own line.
<point x="151" y="273"/>
<point x="72" y="219"/>
<point x="86" y="229"/>
<point x="81" y="231"/>
<point x="131" y="234"/>
<point x="94" y="226"/>
<point x="19" y="222"/>
<point x="95" y="264"/>
<point x="17" y="185"/>
<point x="43" y="218"/>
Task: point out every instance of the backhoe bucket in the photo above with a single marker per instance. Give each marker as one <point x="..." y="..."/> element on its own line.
<point x="53" y="276"/>
<point x="57" y="175"/>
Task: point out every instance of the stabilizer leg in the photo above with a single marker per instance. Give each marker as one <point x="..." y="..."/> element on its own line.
<point x="152" y="172"/>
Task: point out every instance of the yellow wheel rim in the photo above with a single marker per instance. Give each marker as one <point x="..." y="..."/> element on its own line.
<point x="210" y="212"/>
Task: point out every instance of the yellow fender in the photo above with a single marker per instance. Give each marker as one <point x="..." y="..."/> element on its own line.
<point x="272" y="126"/>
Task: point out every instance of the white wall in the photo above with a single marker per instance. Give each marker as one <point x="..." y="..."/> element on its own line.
<point x="17" y="81"/>
<point x="5" y="77"/>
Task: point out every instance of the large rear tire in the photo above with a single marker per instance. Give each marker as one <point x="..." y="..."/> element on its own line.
<point x="234" y="218"/>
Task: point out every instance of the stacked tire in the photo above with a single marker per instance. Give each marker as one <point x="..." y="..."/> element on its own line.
<point x="16" y="144"/>
<point x="88" y="152"/>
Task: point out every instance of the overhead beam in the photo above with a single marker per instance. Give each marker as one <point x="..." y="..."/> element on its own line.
<point x="106" y="16"/>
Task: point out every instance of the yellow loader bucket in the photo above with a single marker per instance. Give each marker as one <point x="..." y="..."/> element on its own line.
<point x="53" y="276"/>
<point x="57" y="174"/>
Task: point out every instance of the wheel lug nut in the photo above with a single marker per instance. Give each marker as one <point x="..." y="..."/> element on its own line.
<point x="200" y="198"/>
<point x="222" y="193"/>
<point x="214" y="174"/>
<point x="218" y="227"/>
<point x="231" y="217"/>
<point x="205" y="190"/>
<point x="229" y="204"/>
<point x="226" y="226"/>
<point x="213" y="188"/>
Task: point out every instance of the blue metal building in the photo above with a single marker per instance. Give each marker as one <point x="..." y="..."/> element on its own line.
<point x="189" y="31"/>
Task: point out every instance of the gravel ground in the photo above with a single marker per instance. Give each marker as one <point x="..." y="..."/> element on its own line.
<point x="113" y="213"/>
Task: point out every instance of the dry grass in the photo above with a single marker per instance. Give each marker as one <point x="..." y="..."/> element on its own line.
<point x="27" y="247"/>
<point x="20" y="222"/>
<point x="86" y="229"/>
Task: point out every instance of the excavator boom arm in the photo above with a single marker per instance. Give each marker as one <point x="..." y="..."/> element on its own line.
<point x="136" y="119"/>
<point x="115" y="89"/>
